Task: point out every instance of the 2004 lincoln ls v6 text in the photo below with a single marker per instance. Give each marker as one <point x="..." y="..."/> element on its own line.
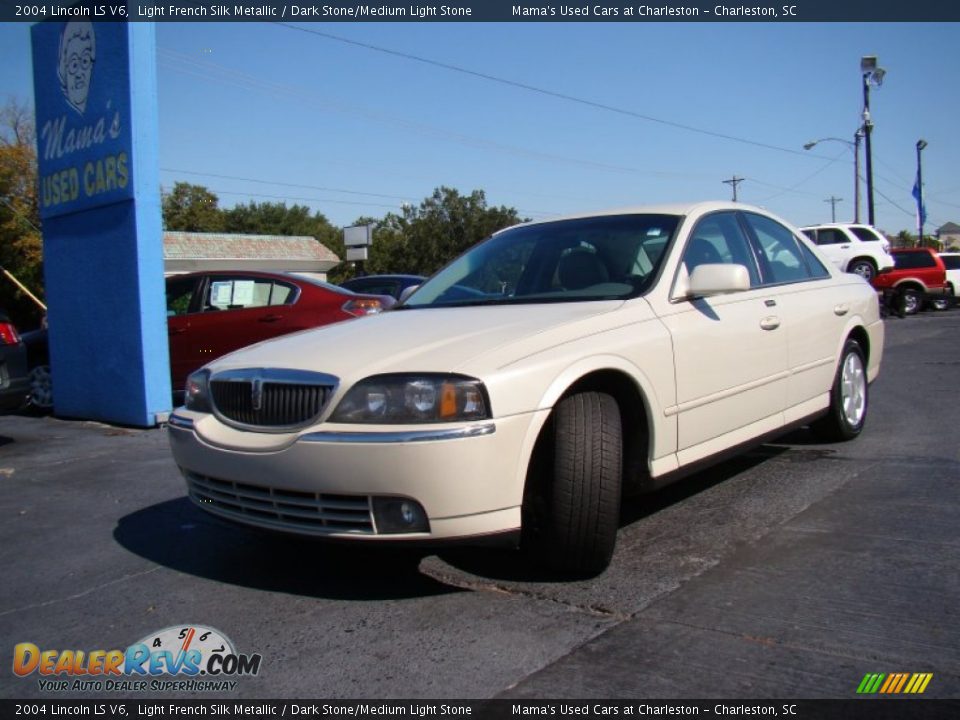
<point x="520" y="391"/>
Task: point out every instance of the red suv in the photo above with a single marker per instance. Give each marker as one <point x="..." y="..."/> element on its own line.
<point x="918" y="275"/>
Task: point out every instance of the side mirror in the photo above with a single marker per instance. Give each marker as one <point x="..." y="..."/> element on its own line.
<point x="718" y="279"/>
<point x="407" y="292"/>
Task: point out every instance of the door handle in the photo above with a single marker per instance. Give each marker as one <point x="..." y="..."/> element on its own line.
<point x="175" y="331"/>
<point x="771" y="322"/>
<point x="844" y="247"/>
<point x="270" y="318"/>
<point x="841" y="310"/>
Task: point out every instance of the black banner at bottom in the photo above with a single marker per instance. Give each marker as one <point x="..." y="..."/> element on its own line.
<point x="866" y="708"/>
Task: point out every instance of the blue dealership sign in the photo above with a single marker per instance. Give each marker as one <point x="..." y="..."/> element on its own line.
<point x="81" y="72"/>
<point x="99" y="194"/>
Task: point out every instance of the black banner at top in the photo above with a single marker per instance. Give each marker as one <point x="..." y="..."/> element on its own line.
<point x="272" y="709"/>
<point x="482" y="11"/>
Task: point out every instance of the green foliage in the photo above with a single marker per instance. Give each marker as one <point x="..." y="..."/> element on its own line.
<point x="21" y="246"/>
<point x="191" y="208"/>
<point x="420" y="240"/>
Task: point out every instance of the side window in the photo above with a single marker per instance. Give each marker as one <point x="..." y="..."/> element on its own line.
<point x="179" y="295"/>
<point x="831" y="236"/>
<point x="237" y="293"/>
<point x="816" y="268"/>
<point x="913" y="260"/>
<point x="282" y="294"/>
<point x="865" y="234"/>
<point x="718" y="238"/>
<point x="784" y="261"/>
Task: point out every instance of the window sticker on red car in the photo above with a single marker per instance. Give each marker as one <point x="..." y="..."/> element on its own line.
<point x="220" y="293"/>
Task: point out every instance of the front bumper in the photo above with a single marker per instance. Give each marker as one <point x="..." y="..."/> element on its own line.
<point x="468" y="479"/>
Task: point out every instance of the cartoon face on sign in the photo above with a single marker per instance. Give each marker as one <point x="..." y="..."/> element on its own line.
<point x="78" y="50"/>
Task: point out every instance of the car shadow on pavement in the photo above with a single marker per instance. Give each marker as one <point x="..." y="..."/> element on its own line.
<point x="519" y="567"/>
<point x="176" y="535"/>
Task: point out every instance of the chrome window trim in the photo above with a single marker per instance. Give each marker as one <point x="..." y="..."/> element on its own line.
<point x="400" y="436"/>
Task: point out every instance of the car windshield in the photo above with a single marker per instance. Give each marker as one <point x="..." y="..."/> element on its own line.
<point x="597" y="258"/>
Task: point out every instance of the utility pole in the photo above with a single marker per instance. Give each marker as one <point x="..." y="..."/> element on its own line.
<point x="833" y="207"/>
<point x="734" y="181"/>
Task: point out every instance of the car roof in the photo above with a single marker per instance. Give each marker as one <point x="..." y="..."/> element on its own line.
<point x="394" y="276"/>
<point x="679" y="208"/>
<point x="838" y="225"/>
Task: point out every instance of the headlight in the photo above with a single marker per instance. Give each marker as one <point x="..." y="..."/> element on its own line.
<point x="423" y="398"/>
<point x="197" y="392"/>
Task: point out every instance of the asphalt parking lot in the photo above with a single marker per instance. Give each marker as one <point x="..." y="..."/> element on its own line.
<point x="789" y="572"/>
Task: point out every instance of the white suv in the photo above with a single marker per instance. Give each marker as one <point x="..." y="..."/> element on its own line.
<point x="858" y="249"/>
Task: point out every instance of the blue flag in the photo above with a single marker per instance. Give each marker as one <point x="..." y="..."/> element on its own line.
<point x="921" y="209"/>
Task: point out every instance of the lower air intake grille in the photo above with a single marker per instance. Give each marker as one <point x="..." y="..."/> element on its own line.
<point x="307" y="512"/>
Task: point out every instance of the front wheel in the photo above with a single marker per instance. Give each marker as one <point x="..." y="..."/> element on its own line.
<point x="848" y="397"/>
<point x="575" y="512"/>
<point x="910" y="301"/>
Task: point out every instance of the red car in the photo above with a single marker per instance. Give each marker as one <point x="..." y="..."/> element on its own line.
<point x="210" y="314"/>
<point x="918" y="276"/>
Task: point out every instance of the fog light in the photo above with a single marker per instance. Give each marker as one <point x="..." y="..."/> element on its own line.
<point x="399" y="515"/>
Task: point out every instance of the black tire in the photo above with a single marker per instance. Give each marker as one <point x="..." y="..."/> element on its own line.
<point x="864" y="268"/>
<point x="41" y="388"/>
<point x="944" y="302"/>
<point x="575" y="510"/>
<point x="911" y="301"/>
<point x="848" y="397"/>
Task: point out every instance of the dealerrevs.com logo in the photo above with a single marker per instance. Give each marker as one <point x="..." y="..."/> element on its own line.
<point x="177" y="658"/>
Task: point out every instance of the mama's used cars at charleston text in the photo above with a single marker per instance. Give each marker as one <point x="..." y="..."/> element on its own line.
<point x="522" y="389"/>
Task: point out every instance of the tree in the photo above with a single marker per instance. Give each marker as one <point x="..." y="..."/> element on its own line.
<point x="192" y="208"/>
<point x="21" y="244"/>
<point x="422" y="239"/>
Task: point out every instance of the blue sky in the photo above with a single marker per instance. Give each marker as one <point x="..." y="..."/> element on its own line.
<point x="353" y="131"/>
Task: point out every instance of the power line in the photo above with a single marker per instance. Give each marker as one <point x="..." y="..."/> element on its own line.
<point x="247" y="81"/>
<point x="542" y="91"/>
<point x="286" y="184"/>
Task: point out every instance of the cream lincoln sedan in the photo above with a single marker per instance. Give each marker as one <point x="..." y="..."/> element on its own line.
<point x="524" y="388"/>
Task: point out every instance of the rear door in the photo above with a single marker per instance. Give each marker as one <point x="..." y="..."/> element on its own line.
<point x="834" y="244"/>
<point x="183" y="299"/>
<point x="813" y="308"/>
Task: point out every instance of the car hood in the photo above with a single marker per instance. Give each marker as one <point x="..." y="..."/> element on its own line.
<point x="423" y="340"/>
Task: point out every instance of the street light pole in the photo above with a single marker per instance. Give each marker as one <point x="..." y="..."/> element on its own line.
<point x="857" y="136"/>
<point x="870" y="73"/>
<point x="921" y="144"/>
<point x="855" y="149"/>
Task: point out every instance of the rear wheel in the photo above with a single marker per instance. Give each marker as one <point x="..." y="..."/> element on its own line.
<point x="41" y="388"/>
<point x="864" y="268"/>
<point x="574" y="513"/>
<point x="943" y="302"/>
<point x="848" y="397"/>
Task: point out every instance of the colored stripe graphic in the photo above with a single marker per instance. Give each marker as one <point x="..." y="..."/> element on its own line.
<point x="894" y="683"/>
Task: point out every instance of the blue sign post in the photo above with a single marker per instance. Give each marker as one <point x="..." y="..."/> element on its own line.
<point x="96" y="105"/>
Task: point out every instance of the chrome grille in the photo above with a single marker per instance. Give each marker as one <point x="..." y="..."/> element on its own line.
<point x="270" y="399"/>
<point x="312" y="513"/>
